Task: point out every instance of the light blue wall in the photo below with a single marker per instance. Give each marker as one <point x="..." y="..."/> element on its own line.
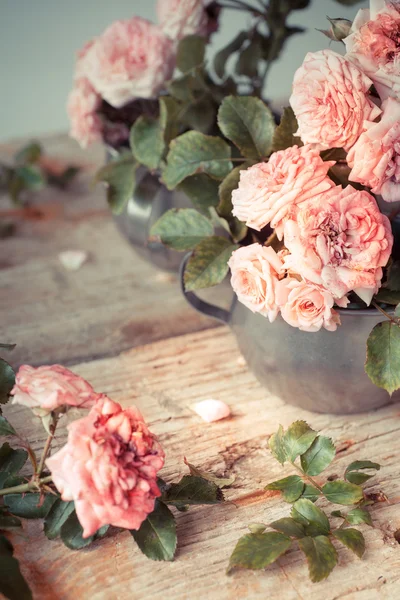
<point x="38" y="39"/>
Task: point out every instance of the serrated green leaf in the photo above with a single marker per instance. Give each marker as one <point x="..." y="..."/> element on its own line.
<point x="352" y="475"/>
<point x="12" y="582"/>
<point x="57" y="516"/>
<point x="193" y="152"/>
<point x="156" y="537"/>
<point x="311" y="493"/>
<point x="190" y="53"/>
<point x="6" y="428"/>
<point x="223" y="55"/>
<point x="208" y="264"/>
<point x="257" y="527"/>
<point x="313" y="518"/>
<point x="277" y="445"/>
<point x="291" y="487"/>
<point x="119" y="175"/>
<point x="357" y="516"/>
<point x="248" y="123"/>
<point x="202" y="191"/>
<point x="7" y="381"/>
<point x="289" y="527"/>
<point x="352" y="538"/>
<point x="71" y="533"/>
<point x="181" y="228"/>
<point x="8" y="522"/>
<point x="319" y="456"/>
<point x="29" y="154"/>
<point x="321" y="556"/>
<point x="147" y="142"/>
<point x="220" y="481"/>
<point x="193" y="490"/>
<point x="29" y="506"/>
<point x="230" y="183"/>
<point x="11" y="461"/>
<point x="342" y="492"/>
<point x="383" y="356"/>
<point x="284" y="135"/>
<point x="297" y="439"/>
<point x="258" y="550"/>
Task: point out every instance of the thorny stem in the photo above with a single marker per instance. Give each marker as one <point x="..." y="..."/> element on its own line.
<point x="310" y="479"/>
<point x="26" y="487"/>
<point x="47" y="446"/>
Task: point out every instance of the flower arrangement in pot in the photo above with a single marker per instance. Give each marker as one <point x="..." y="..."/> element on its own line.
<point x="138" y="85"/>
<point x="312" y="255"/>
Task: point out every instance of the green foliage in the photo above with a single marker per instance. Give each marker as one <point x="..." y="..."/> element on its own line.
<point x="292" y="443"/>
<point x="225" y="190"/>
<point x="357" y="516"/>
<point x="342" y="492"/>
<point x="147" y="142"/>
<point x="28" y="154"/>
<point x="352" y="538"/>
<point x="11" y="461"/>
<point x="202" y="191"/>
<point x="71" y="533"/>
<point x="190" y="54"/>
<point x="208" y="264"/>
<point x="284" y="135"/>
<point x="313" y="519"/>
<point x="12" y="582"/>
<point x="156" y="537"/>
<point x="321" y="556"/>
<point x="249" y="59"/>
<point x="290" y="527"/>
<point x="319" y="456"/>
<point x="352" y="472"/>
<point x="29" y="506"/>
<point x="57" y="516"/>
<point x="387" y="296"/>
<point x="223" y="55"/>
<point x="383" y="356"/>
<point x="7" y="380"/>
<point x="8" y="522"/>
<point x="119" y="175"/>
<point x="181" y="229"/>
<point x="258" y="550"/>
<point x="393" y="277"/>
<point x="194" y="152"/>
<point x="6" y="428"/>
<point x="291" y="487"/>
<point x="192" y="490"/>
<point x="221" y="482"/>
<point x="248" y="123"/>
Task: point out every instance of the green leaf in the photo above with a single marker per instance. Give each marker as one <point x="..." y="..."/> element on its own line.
<point x="353" y="476"/>
<point x="277" y="445"/>
<point x="230" y="183"/>
<point x="7" y="381"/>
<point x="321" y="556"/>
<point x="200" y="114"/>
<point x="193" y="152"/>
<point x="393" y="279"/>
<point x="63" y="179"/>
<point x="58" y="514"/>
<point x="311" y="493"/>
<point x="119" y="175"/>
<point x="31" y="177"/>
<point x="191" y="51"/>
<point x="11" y="461"/>
<point x="220" y="481"/>
<point x="257" y="527"/>
<point x="29" y="506"/>
<point x="297" y="439"/>
<point x="147" y="142"/>
<point x="169" y="111"/>
<point x="348" y="2"/>
<point x="341" y="492"/>
<point x="29" y="153"/>
<point x="284" y="135"/>
<point x="181" y="228"/>
<point x="193" y="490"/>
<point x="313" y="518"/>
<point x="248" y="123"/>
<point x="8" y="522"/>
<point x="208" y="264"/>
<point x="71" y="533"/>
<point x="8" y="346"/>
<point x="289" y="527"/>
<point x="6" y="428"/>
<point x="202" y="191"/>
<point x="357" y="516"/>
<point x="223" y="55"/>
<point x="291" y="487"/>
<point x="156" y="537"/>
<point x="189" y="88"/>
<point x="12" y="582"/>
<point x="258" y="550"/>
<point x="319" y="455"/>
<point x="387" y="297"/>
<point x="352" y="538"/>
<point x="249" y="58"/>
<point x="383" y="356"/>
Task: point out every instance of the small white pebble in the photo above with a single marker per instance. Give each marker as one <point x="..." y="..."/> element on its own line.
<point x="163" y="277"/>
<point x="73" y="259"/>
<point x="212" y="410"/>
<point x="241" y="361"/>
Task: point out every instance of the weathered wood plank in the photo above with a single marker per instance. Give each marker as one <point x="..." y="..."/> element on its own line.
<point x="164" y="379"/>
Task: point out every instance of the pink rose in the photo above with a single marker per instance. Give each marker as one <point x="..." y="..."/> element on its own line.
<point x="375" y="157"/>
<point x="308" y="307"/>
<point x="131" y="59"/>
<point x="109" y="468"/>
<point x="341" y="241"/>
<point x="268" y="191"/>
<point x="255" y="276"/>
<point x="83" y="104"/>
<point x="47" y="388"/>
<point x="179" y="18"/>
<point x="330" y="100"/>
<point x="374" y="46"/>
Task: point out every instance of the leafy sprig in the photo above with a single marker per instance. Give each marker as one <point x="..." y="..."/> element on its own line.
<point x="308" y="526"/>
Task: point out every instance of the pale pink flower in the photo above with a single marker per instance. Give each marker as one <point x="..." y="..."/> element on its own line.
<point x="83" y="104"/>
<point x="340" y="241"/>
<point x="374" y="46"/>
<point x="212" y="410"/>
<point x="109" y="467"/>
<point x="308" y="307"/>
<point x="49" y="387"/>
<point x="330" y="100"/>
<point x="131" y="59"/>
<point x="179" y="18"/>
<point x="268" y="191"/>
<point x="375" y="157"/>
<point x="255" y="274"/>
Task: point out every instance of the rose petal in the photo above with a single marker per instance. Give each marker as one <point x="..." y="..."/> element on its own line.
<point x="212" y="410"/>
<point x="72" y="260"/>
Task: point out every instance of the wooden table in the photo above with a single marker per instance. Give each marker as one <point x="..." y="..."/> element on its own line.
<point x="124" y="326"/>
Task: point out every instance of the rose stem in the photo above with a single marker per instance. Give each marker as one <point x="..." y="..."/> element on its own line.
<point x="46" y="448"/>
<point x="310" y="479"/>
<point x="26" y="487"/>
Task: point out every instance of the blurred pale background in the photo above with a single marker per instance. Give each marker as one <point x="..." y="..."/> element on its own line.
<point x="38" y="40"/>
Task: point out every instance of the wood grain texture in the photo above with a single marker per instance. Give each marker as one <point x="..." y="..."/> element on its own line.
<point x="164" y="379"/>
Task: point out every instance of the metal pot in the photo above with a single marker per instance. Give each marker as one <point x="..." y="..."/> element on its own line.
<point x="321" y="372"/>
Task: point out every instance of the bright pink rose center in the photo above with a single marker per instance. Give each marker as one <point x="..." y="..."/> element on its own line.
<point x="380" y="39"/>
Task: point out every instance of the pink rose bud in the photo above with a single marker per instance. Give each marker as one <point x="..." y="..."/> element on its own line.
<point x="212" y="410"/>
<point x="340" y="28"/>
<point x="109" y="467"/>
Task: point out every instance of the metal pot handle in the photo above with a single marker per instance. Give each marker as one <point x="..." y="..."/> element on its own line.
<point x="210" y="310"/>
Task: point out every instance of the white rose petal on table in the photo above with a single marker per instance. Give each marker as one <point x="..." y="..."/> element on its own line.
<point x="211" y="410"/>
<point x="72" y="260"/>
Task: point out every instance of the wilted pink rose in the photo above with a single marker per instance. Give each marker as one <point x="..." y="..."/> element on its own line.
<point x="341" y="241"/>
<point x="109" y="467"/>
<point x="374" y="45"/>
<point x="131" y="59"/>
<point x="83" y="104"/>
<point x="330" y="100"/>
<point x="49" y="387"/>
<point x="375" y="157"/>
<point x="179" y="18"/>
<point x="269" y="190"/>
<point x="308" y="307"/>
<point x="255" y="274"/>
